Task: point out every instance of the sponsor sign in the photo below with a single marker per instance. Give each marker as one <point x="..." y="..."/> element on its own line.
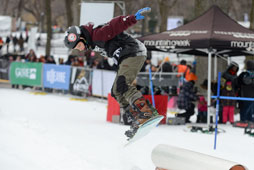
<point x="56" y="76"/>
<point x="26" y="73"/>
<point x="80" y="80"/>
<point x="5" y="29"/>
<point x="174" y="22"/>
<point x="102" y="82"/>
<point x="167" y="44"/>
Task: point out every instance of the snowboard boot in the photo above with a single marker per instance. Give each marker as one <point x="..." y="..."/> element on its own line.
<point x="142" y="111"/>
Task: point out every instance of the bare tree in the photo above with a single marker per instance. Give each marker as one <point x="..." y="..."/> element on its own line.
<point x="20" y="8"/>
<point x="198" y="8"/>
<point x="69" y="12"/>
<point x="5" y="4"/>
<point x="165" y="7"/>
<point x="252" y="15"/>
<point x="34" y="7"/>
<point x="49" y="26"/>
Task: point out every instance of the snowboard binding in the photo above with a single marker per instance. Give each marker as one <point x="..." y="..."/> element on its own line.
<point x="249" y="129"/>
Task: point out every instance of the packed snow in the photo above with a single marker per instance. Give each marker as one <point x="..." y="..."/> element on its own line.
<point x="52" y="132"/>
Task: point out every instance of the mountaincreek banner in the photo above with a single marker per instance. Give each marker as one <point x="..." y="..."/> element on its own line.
<point x="26" y="73"/>
<point x="56" y="76"/>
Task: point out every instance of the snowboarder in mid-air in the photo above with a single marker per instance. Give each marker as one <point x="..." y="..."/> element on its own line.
<point x="128" y="54"/>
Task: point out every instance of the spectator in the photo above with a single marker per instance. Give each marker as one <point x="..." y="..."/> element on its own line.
<point x="70" y="60"/>
<point x="230" y="74"/>
<point x="50" y="60"/>
<point x="185" y="100"/>
<point x="245" y="85"/>
<point x="18" y="59"/>
<point x="7" y="41"/>
<point x="31" y="56"/>
<point x="21" y="43"/>
<point x="11" y="59"/>
<point x="80" y="61"/>
<point x="214" y="85"/>
<point x="167" y="67"/>
<point x="191" y="74"/>
<point x="38" y="42"/>
<point x="75" y="62"/>
<point x="202" y="110"/>
<point x="15" y="42"/>
<point x="1" y="45"/>
<point x="146" y="66"/>
<point x="95" y="62"/>
<point x="182" y="68"/>
<point x="153" y="68"/>
<point x="228" y="105"/>
<point x="42" y="59"/>
<point x="61" y="61"/>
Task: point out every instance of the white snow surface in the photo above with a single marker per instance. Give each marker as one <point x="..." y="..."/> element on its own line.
<point x="52" y="132"/>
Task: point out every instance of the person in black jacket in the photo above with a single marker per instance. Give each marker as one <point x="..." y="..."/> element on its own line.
<point x="185" y="100"/>
<point x="127" y="53"/>
<point x="245" y="86"/>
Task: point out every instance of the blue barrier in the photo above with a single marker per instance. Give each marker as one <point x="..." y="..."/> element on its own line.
<point x="233" y="98"/>
<point x="55" y="76"/>
<point x="217" y="111"/>
<point x="151" y="84"/>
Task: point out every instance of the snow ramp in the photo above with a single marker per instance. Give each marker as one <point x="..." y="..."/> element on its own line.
<point x="167" y="157"/>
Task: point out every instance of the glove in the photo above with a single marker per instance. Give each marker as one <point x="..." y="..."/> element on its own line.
<point x="139" y="15"/>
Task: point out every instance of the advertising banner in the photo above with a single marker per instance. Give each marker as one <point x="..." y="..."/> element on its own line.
<point x="80" y="80"/>
<point x="26" y="73"/>
<point x="4" y="69"/>
<point x="102" y="82"/>
<point x="105" y="15"/>
<point x="5" y="29"/>
<point x="56" y="76"/>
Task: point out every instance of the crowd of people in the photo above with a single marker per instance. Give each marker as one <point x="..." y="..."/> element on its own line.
<point x="231" y="85"/>
<point x="17" y="43"/>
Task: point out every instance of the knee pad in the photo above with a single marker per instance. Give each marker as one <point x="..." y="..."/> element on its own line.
<point x="121" y="85"/>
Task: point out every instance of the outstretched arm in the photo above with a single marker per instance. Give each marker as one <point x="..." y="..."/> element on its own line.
<point x="117" y="25"/>
<point x="113" y="28"/>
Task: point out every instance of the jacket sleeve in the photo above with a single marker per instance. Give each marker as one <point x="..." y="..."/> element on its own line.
<point x="113" y="28"/>
<point x="191" y="95"/>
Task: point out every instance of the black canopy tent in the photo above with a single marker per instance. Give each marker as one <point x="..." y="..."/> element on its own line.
<point x="213" y="33"/>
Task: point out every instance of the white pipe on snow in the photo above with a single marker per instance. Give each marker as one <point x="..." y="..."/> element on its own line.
<point x="167" y="157"/>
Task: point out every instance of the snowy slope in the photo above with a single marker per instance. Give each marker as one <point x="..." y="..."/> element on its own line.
<point x="52" y="132"/>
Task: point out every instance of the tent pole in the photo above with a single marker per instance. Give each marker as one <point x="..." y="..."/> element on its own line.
<point x="215" y="67"/>
<point x="209" y="87"/>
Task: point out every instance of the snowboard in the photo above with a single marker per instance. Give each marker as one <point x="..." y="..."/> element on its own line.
<point x="202" y="128"/>
<point x="145" y="128"/>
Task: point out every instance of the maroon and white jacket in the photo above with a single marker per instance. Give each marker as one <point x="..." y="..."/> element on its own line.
<point x="112" y="38"/>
